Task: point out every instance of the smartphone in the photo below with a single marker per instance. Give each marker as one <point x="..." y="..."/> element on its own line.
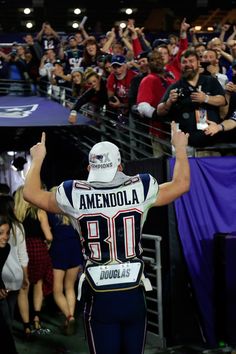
<point x="112" y="99"/>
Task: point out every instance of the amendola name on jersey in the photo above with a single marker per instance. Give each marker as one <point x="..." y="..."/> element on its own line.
<point x="108" y="217"/>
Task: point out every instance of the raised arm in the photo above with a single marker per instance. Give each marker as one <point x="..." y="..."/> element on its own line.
<point x="32" y="191"/>
<point x="180" y="183"/>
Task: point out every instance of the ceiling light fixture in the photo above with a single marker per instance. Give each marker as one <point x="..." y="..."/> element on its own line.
<point x="27" y="11"/>
<point x="77" y="11"/>
<point x="128" y="11"/>
<point x="29" y="24"/>
<point x="75" y="25"/>
<point x="122" y="25"/>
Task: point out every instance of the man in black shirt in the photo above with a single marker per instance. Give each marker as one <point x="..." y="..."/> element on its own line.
<point x="192" y="101"/>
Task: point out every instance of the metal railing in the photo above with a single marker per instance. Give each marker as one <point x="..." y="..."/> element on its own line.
<point x="131" y="133"/>
<point x="152" y="259"/>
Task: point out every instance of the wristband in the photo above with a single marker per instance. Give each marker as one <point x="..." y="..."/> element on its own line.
<point x="145" y="109"/>
<point x="206" y="99"/>
<point x="223" y="127"/>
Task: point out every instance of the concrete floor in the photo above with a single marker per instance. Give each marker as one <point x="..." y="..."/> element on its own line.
<point x="56" y="342"/>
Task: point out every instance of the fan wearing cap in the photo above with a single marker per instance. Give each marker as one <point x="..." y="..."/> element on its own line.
<point x="109" y="210"/>
<point x="142" y="60"/>
<point x="118" y="83"/>
<point x="73" y="54"/>
<point x="58" y="76"/>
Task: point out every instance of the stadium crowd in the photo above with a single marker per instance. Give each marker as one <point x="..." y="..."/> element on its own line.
<point x="126" y="73"/>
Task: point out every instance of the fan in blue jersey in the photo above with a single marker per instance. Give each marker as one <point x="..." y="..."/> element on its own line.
<point x="108" y="210"/>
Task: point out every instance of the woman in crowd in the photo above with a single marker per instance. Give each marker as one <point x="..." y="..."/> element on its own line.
<point x="91" y="53"/>
<point x="96" y="94"/>
<point x="77" y="81"/>
<point x="67" y="263"/>
<point x="14" y="272"/>
<point x="38" y="238"/>
<point x="7" y="341"/>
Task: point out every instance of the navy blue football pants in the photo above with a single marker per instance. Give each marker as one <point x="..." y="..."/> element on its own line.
<point x="115" y="321"/>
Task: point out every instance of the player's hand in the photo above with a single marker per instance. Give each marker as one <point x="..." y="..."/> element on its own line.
<point x="179" y="139"/>
<point x="38" y="151"/>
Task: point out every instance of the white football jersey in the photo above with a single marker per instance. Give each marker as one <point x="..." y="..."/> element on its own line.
<point x="109" y="216"/>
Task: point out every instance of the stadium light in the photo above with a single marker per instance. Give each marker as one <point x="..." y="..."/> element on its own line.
<point x="122" y="25"/>
<point x="29" y="24"/>
<point x="75" y="24"/>
<point x="128" y="11"/>
<point x="27" y="11"/>
<point x="77" y="11"/>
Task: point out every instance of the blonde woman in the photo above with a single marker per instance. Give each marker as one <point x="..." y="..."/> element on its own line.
<point x="67" y="263"/>
<point x="38" y="236"/>
<point x="96" y="94"/>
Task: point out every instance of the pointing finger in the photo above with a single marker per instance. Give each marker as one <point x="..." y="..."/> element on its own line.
<point x="43" y="138"/>
<point x="173" y="126"/>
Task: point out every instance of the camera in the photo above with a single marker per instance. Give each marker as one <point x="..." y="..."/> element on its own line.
<point x="204" y="66"/>
<point x="13" y="53"/>
<point x="184" y="92"/>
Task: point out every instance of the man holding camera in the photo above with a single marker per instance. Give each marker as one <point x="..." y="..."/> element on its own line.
<point x="193" y="101"/>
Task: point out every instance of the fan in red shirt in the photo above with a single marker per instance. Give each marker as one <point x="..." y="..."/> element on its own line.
<point x="150" y="92"/>
<point x="118" y="84"/>
<point x="172" y="64"/>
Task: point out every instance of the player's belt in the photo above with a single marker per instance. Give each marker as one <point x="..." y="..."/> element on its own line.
<point x="115" y="277"/>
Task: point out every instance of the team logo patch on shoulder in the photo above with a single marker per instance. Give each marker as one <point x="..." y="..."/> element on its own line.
<point x="17" y="111"/>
